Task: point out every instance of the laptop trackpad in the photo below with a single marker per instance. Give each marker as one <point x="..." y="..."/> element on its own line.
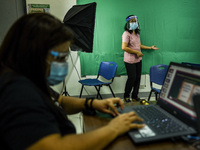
<point x="146" y="132"/>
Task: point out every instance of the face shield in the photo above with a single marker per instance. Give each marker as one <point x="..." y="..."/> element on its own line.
<point x="132" y="23"/>
<point x="60" y="56"/>
<point x="132" y="17"/>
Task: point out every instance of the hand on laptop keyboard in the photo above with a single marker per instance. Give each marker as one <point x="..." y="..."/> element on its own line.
<point x="125" y="122"/>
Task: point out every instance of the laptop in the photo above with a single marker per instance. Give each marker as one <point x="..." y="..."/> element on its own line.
<point x="173" y="115"/>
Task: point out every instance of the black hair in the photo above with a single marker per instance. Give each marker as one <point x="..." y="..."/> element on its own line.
<point x="25" y="47"/>
<point x="126" y="27"/>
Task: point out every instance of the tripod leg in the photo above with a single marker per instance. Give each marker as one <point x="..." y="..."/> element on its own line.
<point x="81" y="91"/>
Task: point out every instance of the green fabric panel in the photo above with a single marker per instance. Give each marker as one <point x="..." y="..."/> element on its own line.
<point x="172" y="25"/>
<point x="91" y="62"/>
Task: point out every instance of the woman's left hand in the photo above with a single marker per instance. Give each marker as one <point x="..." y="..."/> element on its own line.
<point x="108" y="105"/>
<point x="154" y="47"/>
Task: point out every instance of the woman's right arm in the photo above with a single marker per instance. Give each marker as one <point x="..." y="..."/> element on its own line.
<point x="129" y="50"/>
<point x="95" y="140"/>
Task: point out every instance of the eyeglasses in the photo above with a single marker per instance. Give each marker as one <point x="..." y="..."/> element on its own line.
<point x="60" y="56"/>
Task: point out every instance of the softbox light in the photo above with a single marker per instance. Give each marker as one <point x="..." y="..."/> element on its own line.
<point x="81" y="19"/>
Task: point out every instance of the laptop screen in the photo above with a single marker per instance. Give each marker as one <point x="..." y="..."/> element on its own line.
<point x="181" y="83"/>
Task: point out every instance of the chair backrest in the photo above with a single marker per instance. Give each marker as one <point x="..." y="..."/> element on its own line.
<point x="158" y="73"/>
<point x="107" y="70"/>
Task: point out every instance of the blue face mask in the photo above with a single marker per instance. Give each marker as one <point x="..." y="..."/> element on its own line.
<point x="133" y="26"/>
<point x="58" y="72"/>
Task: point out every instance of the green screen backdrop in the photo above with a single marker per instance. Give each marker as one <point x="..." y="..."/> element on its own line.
<point x="172" y="25"/>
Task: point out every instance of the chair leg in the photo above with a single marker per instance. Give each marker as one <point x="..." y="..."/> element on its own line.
<point x="149" y="95"/>
<point x="98" y="92"/>
<point x="81" y="91"/>
<point x="156" y="94"/>
<point x="111" y="91"/>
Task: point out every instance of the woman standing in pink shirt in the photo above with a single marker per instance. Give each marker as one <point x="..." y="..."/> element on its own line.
<point x="133" y="57"/>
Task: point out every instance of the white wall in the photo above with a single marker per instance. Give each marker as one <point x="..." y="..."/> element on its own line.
<point x="59" y="9"/>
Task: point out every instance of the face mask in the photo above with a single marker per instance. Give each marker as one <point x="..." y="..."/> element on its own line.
<point x="133" y="26"/>
<point x="58" y="72"/>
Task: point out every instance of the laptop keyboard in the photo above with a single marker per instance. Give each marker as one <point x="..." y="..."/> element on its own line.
<point x="158" y="121"/>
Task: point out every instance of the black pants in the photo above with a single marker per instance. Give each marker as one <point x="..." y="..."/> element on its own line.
<point x="133" y="81"/>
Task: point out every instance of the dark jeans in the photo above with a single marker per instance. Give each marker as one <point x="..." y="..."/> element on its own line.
<point x="133" y="81"/>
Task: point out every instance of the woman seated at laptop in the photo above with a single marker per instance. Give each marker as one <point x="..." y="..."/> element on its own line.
<point x="33" y="55"/>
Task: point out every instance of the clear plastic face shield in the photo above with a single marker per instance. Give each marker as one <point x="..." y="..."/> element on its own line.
<point x="132" y="23"/>
<point x="60" y="56"/>
<point x="132" y="18"/>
